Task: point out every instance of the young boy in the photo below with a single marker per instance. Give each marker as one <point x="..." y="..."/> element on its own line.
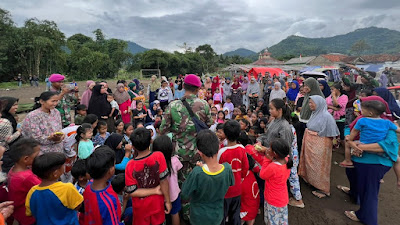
<point x="102" y="133"/>
<point x="118" y="185"/>
<point x="114" y="105"/>
<point x="81" y="111"/>
<point x="207" y="202"/>
<point x="221" y="135"/>
<point x="146" y="183"/>
<point x="101" y="202"/>
<point x="235" y="155"/>
<point x="52" y="201"/>
<point x="20" y="177"/>
<point x="80" y="175"/>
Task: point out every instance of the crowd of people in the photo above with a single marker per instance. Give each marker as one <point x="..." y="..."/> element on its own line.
<point x="211" y="150"/>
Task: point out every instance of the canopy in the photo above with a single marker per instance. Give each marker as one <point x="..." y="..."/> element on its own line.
<point x="272" y="71"/>
<point x="313" y="74"/>
<point x="371" y="67"/>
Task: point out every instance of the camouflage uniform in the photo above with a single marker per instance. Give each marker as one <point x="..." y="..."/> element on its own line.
<point x="177" y="121"/>
<point x="64" y="106"/>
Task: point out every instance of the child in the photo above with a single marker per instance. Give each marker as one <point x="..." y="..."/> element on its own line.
<point x="209" y="95"/>
<point x="244" y="124"/>
<point x="145" y="178"/>
<point x="138" y="114"/>
<point x="275" y="171"/>
<point x="81" y="111"/>
<point x="221" y="135"/>
<point x="253" y="133"/>
<point x="118" y="185"/>
<point x="228" y="104"/>
<point x="128" y="130"/>
<point x="220" y="117"/>
<point x="52" y="201"/>
<point x="80" y="175"/>
<point x="119" y="127"/>
<point x="207" y="202"/>
<point x="217" y="98"/>
<point x="357" y="104"/>
<point x="102" y="133"/>
<point x="263" y="125"/>
<point x="83" y="135"/>
<point x="228" y="114"/>
<point x="202" y="93"/>
<point x="20" y="177"/>
<point x="140" y="97"/>
<point x="101" y="202"/>
<point x="164" y="145"/>
<point x="114" y="105"/>
<point x="164" y="94"/>
<point x="235" y="155"/>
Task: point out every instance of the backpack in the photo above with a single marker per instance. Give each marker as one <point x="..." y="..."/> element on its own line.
<point x="199" y="124"/>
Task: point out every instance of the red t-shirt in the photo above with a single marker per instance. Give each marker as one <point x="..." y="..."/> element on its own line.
<point x="19" y="184"/>
<point x="146" y="172"/>
<point x="237" y="158"/>
<point x="275" y="176"/>
<point x="250" y="198"/>
<point x="258" y="156"/>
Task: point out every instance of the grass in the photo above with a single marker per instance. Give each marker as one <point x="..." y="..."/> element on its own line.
<point x="11" y="85"/>
<point x="25" y="107"/>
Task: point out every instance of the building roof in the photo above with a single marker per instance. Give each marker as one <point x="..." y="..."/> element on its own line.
<point x="267" y="61"/>
<point x="300" y="60"/>
<point x="381" y="58"/>
<point x="335" y="57"/>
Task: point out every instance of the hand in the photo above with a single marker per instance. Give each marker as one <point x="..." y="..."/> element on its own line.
<point x="168" y="207"/>
<point x="157" y="190"/>
<point x="76" y="89"/>
<point x="6" y="209"/>
<point x="65" y="90"/>
<point x="199" y="163"/>
<point x="126" y="197"/>
<point x="269" y="153"/>
<point x="104" y="117"/>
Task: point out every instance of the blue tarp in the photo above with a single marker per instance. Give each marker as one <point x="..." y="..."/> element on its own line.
<point x="310" y="68"/>
<point x="371" y="67"/>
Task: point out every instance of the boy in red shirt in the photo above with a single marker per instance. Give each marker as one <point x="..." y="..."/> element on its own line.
<point x="235" y="155"/>
<point x="21" y="178"/>
<point x="145" y="179"/>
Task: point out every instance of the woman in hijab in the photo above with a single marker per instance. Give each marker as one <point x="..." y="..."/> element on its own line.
<point x="253" y="91"/>
<point x="227" y="88"/>
<point x="121" y="149"/>
<point x="389" y="98"/>
<point x="268" y="86"/>
<point x="326" y="90"/>
<point x="207" y="83"/>
<point x="215" y="84"/>
<point x="87" y="93"/>
<point x="292" y="93"/>
<point x="236" y="93"/>
<point x="124" y="102"/>
<point x="98" y="103"/>
<point x="152" y="88"/>
<point x="316" y="153"/>
<point x="178" y="87"/>
<point x="151" y="113"/>
<point x="277" y="92"/>
<point x="245" y="85"/>
<point x="350" y="90"/>
<point x="311" y="87"/>
<point x="138" y="86"/>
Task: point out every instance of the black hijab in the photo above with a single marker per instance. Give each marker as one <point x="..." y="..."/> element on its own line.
<point x="6" y="114"/>
<point x="113" y="141"/>
<point x="98" y="103"/>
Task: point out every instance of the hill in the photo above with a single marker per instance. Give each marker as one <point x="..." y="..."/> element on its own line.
<point x="135" y="48"/>
<point x="380" y="40"/>
<point x="242" y="52"/>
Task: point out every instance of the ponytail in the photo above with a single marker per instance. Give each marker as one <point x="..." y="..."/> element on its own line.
<point x="44" y="97"/>
<point x="280" y="104"/>
<point x="81" y="130"/>
<point x="282" y="150"/>
<point x="289" y="163"/>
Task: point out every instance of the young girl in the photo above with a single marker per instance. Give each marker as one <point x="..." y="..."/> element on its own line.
<point x="139" y="114"/>
<point x="164" y="94"/>
<point x="208" y="95"/>
<point x="119" y="127"/>
<point x="163" y="144"/>
<point x="221" y="117"/>
<point x="217" y="98"/>
<point x="275" y="171"/>
<point x="128" y="130"/>
<point x="229" y="105"/>
<point x="102" y="134"/>
<point x="262" y="125"/>
<point x="83" y="135"/>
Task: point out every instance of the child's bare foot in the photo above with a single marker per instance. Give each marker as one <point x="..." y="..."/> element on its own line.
<point x="381" y="181"/>
<point x="346" y="164"/>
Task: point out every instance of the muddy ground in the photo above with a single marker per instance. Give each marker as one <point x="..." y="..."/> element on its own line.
<point x="317" y="211"/>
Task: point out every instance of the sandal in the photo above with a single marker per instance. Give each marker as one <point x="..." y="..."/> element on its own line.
<point x="351" y="215"/>
<point x="346" y="165"/>
<point x="345" y="189"/>
<point x="293" y="202"/>
<point x="320" y="194"/>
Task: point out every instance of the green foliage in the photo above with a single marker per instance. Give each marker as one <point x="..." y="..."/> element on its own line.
<point x="242" y="52"/>
<point x="359" y="47"/>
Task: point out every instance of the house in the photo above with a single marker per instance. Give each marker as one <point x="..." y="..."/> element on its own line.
<point x="328" y="60"/>
<point x="265" y="59"/>
<point x="300" y="60"/>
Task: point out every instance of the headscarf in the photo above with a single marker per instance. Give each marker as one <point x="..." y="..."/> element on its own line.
<point x="119" y="96"/>
<point x="237" y="85"/>
<point x="132" y="93"/>
<point x="208" y="83"/>
<point x="389" y="98"/>
<point x="151" y="127"/>
<point x="282" y="81"/>
<point x="327" y="89"/>
<point x="253" y="88"/>
<point x="154" y="85"/>
<point x="6" y="114"/>
<point x="137" y="82"/>
<point x="305" y="112"/>
<point x="87" y="93"/>
<point x="321" y="121"/>
<point x="267" y="86"/>
<point x="113" y="141"/>
<point x="215" y="85"/>
<point x="292" y="93"/>
<point x="98" y="103"/>
<point x="244" y="84"/>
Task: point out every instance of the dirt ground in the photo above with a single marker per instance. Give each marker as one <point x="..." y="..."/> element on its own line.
<point x="317" y="211"/>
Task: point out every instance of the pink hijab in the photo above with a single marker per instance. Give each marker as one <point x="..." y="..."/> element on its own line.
<point x="87" y="94"/>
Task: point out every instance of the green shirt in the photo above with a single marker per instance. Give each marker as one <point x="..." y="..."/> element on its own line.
<point x="206" y="192"/>
<point x="178" y="121"/>
<point x="79" y="119"/>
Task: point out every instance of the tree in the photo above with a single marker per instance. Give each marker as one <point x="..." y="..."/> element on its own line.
<point x="359" y="47"/>
<point x="186" y="48"/>
<point x="99" y="35"/>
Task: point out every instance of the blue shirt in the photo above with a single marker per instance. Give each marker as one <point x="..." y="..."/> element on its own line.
<point x="85" y="149"/>
<point x="373" y="130"/>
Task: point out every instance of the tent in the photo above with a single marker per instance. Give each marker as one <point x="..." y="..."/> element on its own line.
<point x="257" y="70"/>
<point x="372" y="67"/>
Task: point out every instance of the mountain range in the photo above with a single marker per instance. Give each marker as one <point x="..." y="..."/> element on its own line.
<point x="243" y="52"/>
<point x="135" y="48"/>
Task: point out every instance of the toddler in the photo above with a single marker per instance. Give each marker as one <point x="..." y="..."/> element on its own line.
<point x="81" y="111"/>
<point x="83" y="137"/>
<point x="128" y="130"/>
<point x="217" y="98"/>
<point x="102" y="133"/>
<point x="114" y="105"/>
<point x="80" y="175"/>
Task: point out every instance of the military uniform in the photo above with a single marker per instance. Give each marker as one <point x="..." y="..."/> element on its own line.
<point x="64" y="106"/>
<point x="178" y="121"/>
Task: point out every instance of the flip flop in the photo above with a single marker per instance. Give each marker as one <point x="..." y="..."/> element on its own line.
<point x="319" y="194"/>
<point x="345" y="189"/>
<point x="346" y="166"/>
<point x="351" y="215"/>
<point x="292" y="202"/>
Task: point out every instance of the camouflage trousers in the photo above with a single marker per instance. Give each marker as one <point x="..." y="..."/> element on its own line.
<point x="182" y="175"/>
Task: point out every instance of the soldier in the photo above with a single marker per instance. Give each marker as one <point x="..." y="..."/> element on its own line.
<point x="178" y="121"/>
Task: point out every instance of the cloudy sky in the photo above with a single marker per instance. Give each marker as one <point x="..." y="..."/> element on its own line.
<point x="225" y="24"/>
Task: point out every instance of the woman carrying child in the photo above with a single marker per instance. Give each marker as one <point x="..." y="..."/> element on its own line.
<point x="124" y="101"/>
